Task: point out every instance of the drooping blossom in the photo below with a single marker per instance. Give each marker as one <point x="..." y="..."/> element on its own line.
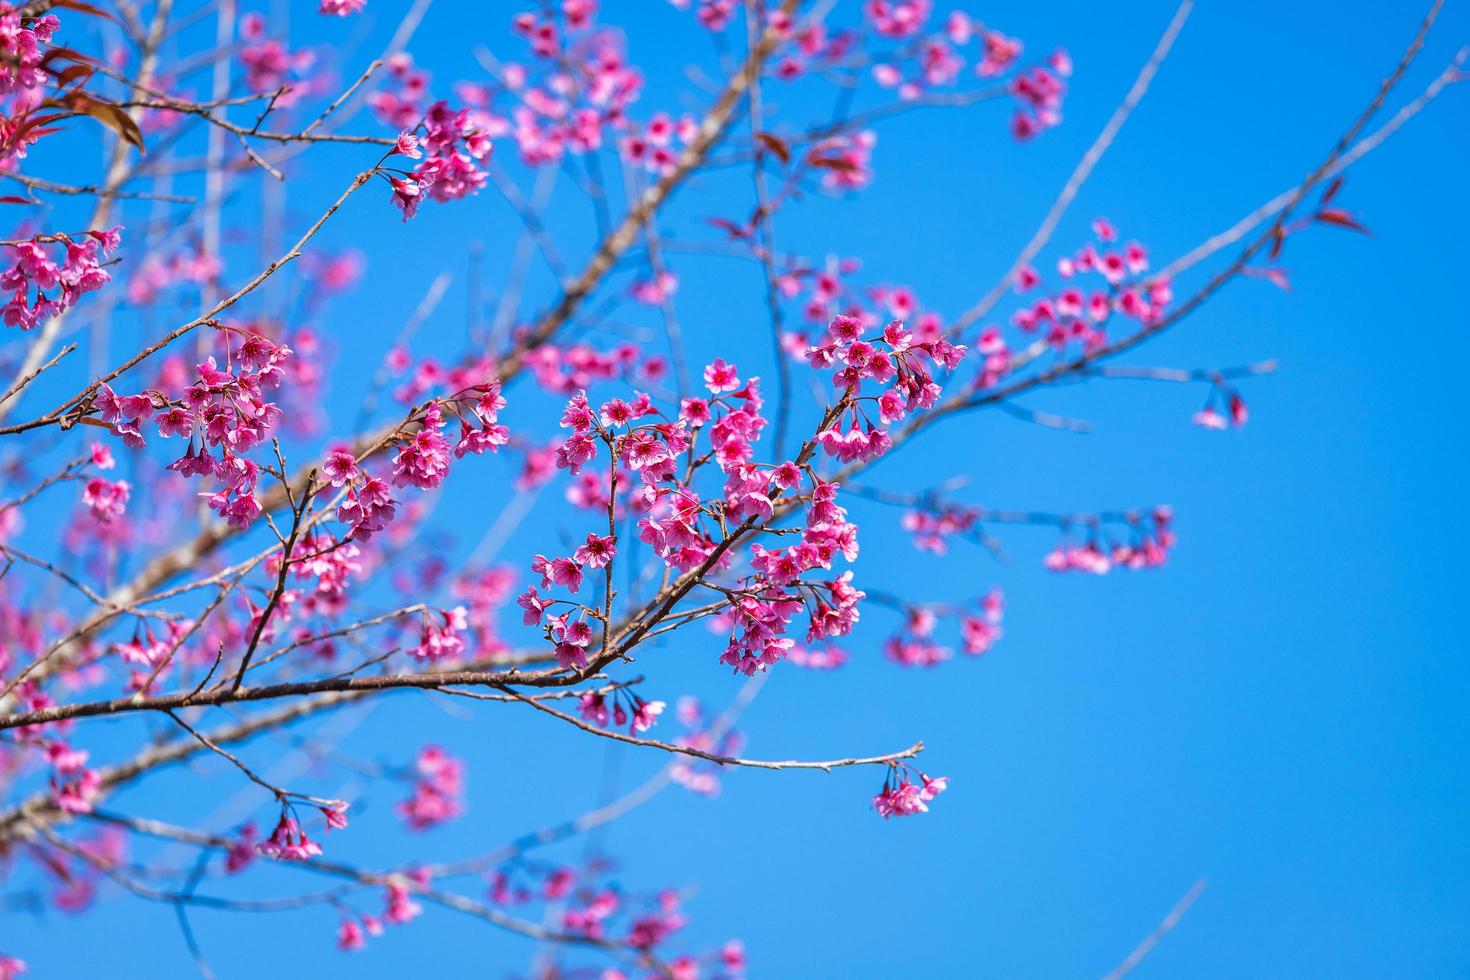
<point x="902" y="797"/>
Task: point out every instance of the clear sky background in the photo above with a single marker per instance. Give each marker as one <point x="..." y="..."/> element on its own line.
<point x="1282" y="710"/>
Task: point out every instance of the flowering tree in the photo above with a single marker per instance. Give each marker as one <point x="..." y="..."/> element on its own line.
<point x="191" y="547"/>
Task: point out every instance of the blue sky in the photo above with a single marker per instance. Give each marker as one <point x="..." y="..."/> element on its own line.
<point x="1282" y="710"/>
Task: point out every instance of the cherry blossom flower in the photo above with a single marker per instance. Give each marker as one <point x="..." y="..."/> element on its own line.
<point x="441" y="635"/>
<point x="901" y="797"/>
<point x="438" y="792"/>
<point x="645" y="714"/>
<point x="40" y="288"/>
<point x="350" y="937"/>
<point x="400" y="907"/>
<point x="330" y="553"/>
<point x="407" y="195"/>
<point x="597" y="552"/>
<point x="288" y="842"/>
<point x="106" y="499"/>
<point x="423" y="460"/>
<point x="720" y="377"/>
<point x="340" y="468"/>
<point x="242" y="850"/>
<point x="1208" y="418"/>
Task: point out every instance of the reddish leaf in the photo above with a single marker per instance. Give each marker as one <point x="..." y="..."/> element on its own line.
<point x="776" y="145"/>
<point x="68" y="75"/>
<point x="65" y="54"/>
<point x="82" y="8"/>
<point x="111" y="116"/>
<point x="1341" y="218"/>
<point x="729" y="227"/>
<point x="832" y="163"/>
<point x="1275" y="276"/>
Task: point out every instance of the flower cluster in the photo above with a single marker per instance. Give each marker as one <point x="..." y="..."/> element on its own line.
<point x="596" y="553"/>
<point x="933" y="524"/>
<point x="1038" y="93"/>
<point x="22" y="36"/>
<point x="845" y="160"/>
<point x="289" y="842"/>
<point x="1146" y="545"/>
<point x="568" y="369"/>
<point x="37" y="273"/>
<point x="937" y="56"/>
<point x="556" y="884"/>
<point x="155" y="273"/>
<point x="703" y="513"/>
<point x="697" y="775"/>
<point x="439" y="636"/>
<point x="915" y="644"/>
<point x="404" y="105"/>
<point x="438" y="790"/>
<point x="713" y="15"/>
<point x="74" y="786"/>
<point x="241" y="852"/>
<point x="902" y="797"/>
<point x="896" y="360"/>
<point x="422" y="459"/>
<point x="23" y="78"/>
<point x="675" y="521"/>
<point x="589" y="918"/>
<point x="484" y="592"/>
<point x="147" y="650"/>
<point x="106" y="499"/>
<point x="823" y="657"/>
<point x="271" y="66"/>
<point x="655" y="149"/>
<point x="423" y="455"/>
<point x="329" y="565"/>
<point x="979" y="632"/>
<point x="453" y="145"/>
<point x="399" y="908"/>
<point x="427" y="374"/>
<point x="591" y="907"/>
<point x="79" y="871"/>
<point x="578" y="88"/>
<point x="586" y="91"/>
<point x="626" y="708"/>
<point x="1075" y="314"/>
<point x="224" y="410"/>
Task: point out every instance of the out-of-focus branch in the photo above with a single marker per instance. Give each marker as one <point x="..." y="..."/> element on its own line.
<point x="1131" y="961"/>
<point x="1454" y="72"/>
